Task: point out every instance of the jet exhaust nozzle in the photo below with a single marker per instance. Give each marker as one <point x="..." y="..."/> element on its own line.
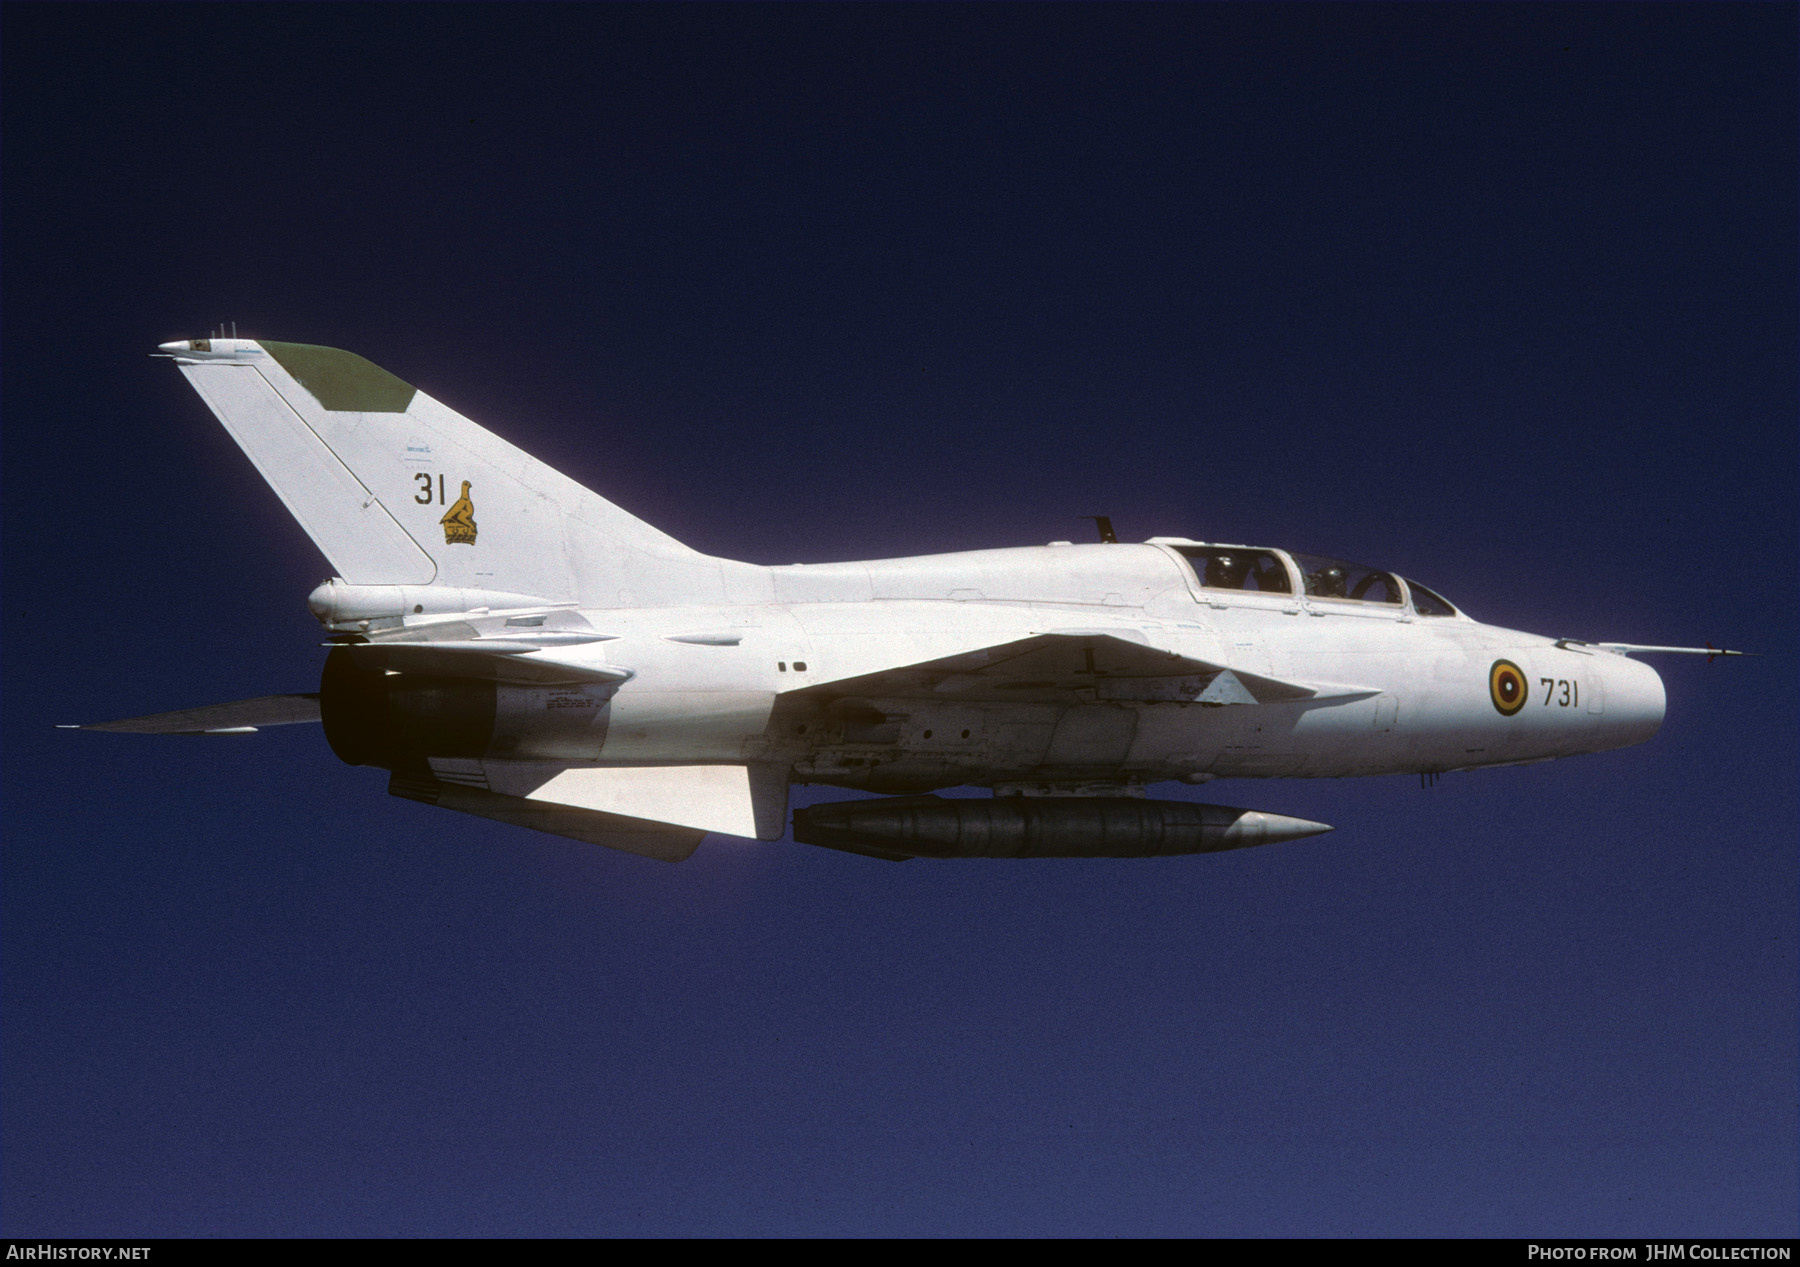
<point x="1040" y="827"/>
<point x="399" y="721"/>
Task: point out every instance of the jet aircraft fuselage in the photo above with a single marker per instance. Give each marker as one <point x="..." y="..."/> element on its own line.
<point x="507" y="643"/>
<point x="798" y="679"/>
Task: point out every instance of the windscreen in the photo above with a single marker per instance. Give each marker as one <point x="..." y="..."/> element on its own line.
<point x="1426" y="603"/>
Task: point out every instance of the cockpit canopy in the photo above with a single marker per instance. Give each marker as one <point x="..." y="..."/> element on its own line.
<point x="1233" y="568"/>
<point x="1257" y="571"/>
<point x="1334" y="578"/>
<point x="1426" y="603"/>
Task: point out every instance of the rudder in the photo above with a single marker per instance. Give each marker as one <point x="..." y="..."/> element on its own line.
<point x="398" y="489"/>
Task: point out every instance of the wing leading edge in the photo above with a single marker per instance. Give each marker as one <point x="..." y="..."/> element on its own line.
<point x="1054" y="667"/>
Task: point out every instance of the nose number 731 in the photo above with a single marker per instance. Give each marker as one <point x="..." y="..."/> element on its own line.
<point x="1571" y="692"/>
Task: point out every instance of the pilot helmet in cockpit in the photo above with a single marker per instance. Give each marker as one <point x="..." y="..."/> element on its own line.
<point x="1226" y="571"/>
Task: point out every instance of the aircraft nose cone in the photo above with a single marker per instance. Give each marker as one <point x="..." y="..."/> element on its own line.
<point x="1634" y="701"/>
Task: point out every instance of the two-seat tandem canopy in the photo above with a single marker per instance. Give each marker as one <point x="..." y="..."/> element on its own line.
<point x="1255" y="570"/>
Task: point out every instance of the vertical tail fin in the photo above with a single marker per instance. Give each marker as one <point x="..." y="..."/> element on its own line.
<point x="398" y="489"/>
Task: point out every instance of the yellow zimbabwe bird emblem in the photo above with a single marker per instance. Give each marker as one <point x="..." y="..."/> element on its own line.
<point x="459" y="520"/>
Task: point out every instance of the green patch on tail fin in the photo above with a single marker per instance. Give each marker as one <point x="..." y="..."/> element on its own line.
<point x="342" y="382"/>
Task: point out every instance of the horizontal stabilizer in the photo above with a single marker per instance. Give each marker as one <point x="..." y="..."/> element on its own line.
<point x="614" y="831"/>
<point x="241" y="717"/>
<point x="1054" y="667"/>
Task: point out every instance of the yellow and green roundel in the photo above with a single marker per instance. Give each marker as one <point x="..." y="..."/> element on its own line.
<point x="1506" y="687"/>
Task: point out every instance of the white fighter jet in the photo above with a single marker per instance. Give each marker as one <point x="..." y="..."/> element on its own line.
<point x="509" y="644"/>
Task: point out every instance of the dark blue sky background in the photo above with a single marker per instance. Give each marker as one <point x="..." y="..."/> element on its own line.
<point x="1502" y="297"/>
